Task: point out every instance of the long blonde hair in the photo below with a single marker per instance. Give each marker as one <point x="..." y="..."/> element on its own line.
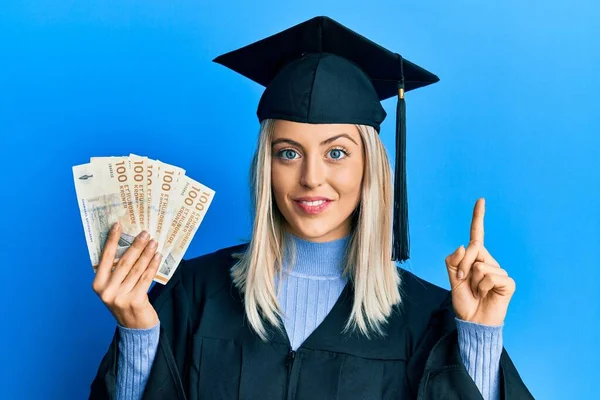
<point x="369" y="268"/>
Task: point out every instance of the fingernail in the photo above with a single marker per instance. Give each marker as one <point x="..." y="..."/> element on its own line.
<point x="115" y="226"/>
<point x="143" y="235"/>
<point x="152" y="244"/>
<point x="460" y="274"/>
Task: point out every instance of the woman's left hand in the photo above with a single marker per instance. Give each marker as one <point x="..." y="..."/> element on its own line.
<point x="481" y="290"/>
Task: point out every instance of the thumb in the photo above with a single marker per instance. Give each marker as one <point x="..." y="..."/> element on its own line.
<point x="453" y="260"/>
<point x="458" y="255"/>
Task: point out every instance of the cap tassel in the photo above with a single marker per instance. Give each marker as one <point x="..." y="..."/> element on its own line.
<point x="400" y="249"/>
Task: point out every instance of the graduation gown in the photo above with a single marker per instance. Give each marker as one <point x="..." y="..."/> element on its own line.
<point x="207" y="350"/>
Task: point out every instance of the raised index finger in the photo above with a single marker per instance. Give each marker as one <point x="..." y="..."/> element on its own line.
<point x="477" y="222"/>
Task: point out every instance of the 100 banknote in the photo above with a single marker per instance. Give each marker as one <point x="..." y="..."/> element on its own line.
<point x="141" y="194"/>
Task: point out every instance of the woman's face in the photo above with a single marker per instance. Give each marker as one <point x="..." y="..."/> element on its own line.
<point x="316" y="173"/>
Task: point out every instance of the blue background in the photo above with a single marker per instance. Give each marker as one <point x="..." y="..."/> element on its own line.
<point x="515" y="119"/>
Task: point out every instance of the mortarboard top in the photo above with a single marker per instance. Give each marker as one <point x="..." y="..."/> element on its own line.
<point x="319" y="71"/>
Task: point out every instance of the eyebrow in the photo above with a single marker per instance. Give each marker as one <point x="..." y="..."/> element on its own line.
<point x="324" y="142"/>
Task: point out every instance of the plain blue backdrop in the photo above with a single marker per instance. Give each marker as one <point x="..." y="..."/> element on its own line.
<point x="514" y="119"/>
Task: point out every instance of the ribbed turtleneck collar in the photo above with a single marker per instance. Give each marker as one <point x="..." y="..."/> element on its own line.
<point x="324" y="259"/>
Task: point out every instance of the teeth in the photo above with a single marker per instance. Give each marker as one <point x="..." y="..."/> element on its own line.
<point x="313" y="203"/>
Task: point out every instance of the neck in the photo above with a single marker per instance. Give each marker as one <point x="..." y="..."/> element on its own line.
<point x="323" y="259"/>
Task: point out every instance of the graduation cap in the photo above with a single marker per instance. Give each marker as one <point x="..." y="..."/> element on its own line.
<point x="319" y="71"/>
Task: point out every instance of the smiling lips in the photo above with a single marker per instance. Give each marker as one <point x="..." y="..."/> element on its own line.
<point x="312" y="205"/>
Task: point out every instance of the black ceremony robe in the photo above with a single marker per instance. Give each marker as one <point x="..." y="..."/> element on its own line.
<point x="207" y="350"/>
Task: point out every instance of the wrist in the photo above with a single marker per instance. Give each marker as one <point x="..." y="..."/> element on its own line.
<point x="146" y="319"/>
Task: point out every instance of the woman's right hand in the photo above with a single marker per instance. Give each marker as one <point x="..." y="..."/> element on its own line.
<point x="124" y="288"/>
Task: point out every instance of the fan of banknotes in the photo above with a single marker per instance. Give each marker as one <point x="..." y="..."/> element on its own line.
<point x="142" y="194"/>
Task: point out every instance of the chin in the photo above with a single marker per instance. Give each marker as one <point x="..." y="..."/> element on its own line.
<point x="316" y="231"/>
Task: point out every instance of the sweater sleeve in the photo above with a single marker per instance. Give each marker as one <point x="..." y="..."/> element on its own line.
<point x="480" y="350"/>
<point x="137" y="349"/>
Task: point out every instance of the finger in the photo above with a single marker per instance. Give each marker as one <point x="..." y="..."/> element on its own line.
<point x="503" y="285"/>
<point x="452" y="262"/>
<point x="139" y="267"/>
<point x="477" y="221"/>
<point x="454" y="259"/>
<point x="128" y="259"/>
<point x="479" y="272"/>
<point x="472" y="254"/>
<point x="143" y="284"/>
<point x="108" y="256"/>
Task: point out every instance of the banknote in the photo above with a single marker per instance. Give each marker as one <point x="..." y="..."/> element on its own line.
<point x="151" y="176"/>
<point x="100" y="207"/>
<point x="117" y="185"/>
<point x="90" y="194"/>
<point x="196" y="198"/>
<point x="165" y="200"/>
<point x="141" y="194"/>
<point x="138" y="176"/>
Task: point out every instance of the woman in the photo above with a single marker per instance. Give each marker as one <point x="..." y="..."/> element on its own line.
<point x="313" y="307"/>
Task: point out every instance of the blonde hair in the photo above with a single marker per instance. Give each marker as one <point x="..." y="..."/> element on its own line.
<point x="369" y="268"/>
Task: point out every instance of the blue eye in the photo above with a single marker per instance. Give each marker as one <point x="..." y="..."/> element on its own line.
<point x="337" y="154"/>
<point x="288" y="154"/>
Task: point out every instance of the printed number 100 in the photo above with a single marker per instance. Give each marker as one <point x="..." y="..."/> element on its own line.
<point x="193" y="194"/>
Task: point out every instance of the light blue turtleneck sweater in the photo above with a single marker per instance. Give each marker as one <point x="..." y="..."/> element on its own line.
<point x="309" y="288"/>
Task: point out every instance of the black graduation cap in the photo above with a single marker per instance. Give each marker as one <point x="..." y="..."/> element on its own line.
<point x="319" y="71"/>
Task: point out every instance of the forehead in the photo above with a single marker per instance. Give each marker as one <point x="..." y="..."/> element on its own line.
<point x="312" y="133"/>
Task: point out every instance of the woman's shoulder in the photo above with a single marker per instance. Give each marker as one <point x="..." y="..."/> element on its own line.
<point x="421" y="293"/>
<point x="200" y="276"/>
<point x="195" y="281"/>
<point x="422" y="303"/>
<point x="210" y="271"/>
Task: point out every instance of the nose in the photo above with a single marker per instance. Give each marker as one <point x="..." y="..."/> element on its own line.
<point x="313" y="172"/>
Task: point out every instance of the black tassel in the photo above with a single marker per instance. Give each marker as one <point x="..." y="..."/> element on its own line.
<point x="400" y="249"/>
